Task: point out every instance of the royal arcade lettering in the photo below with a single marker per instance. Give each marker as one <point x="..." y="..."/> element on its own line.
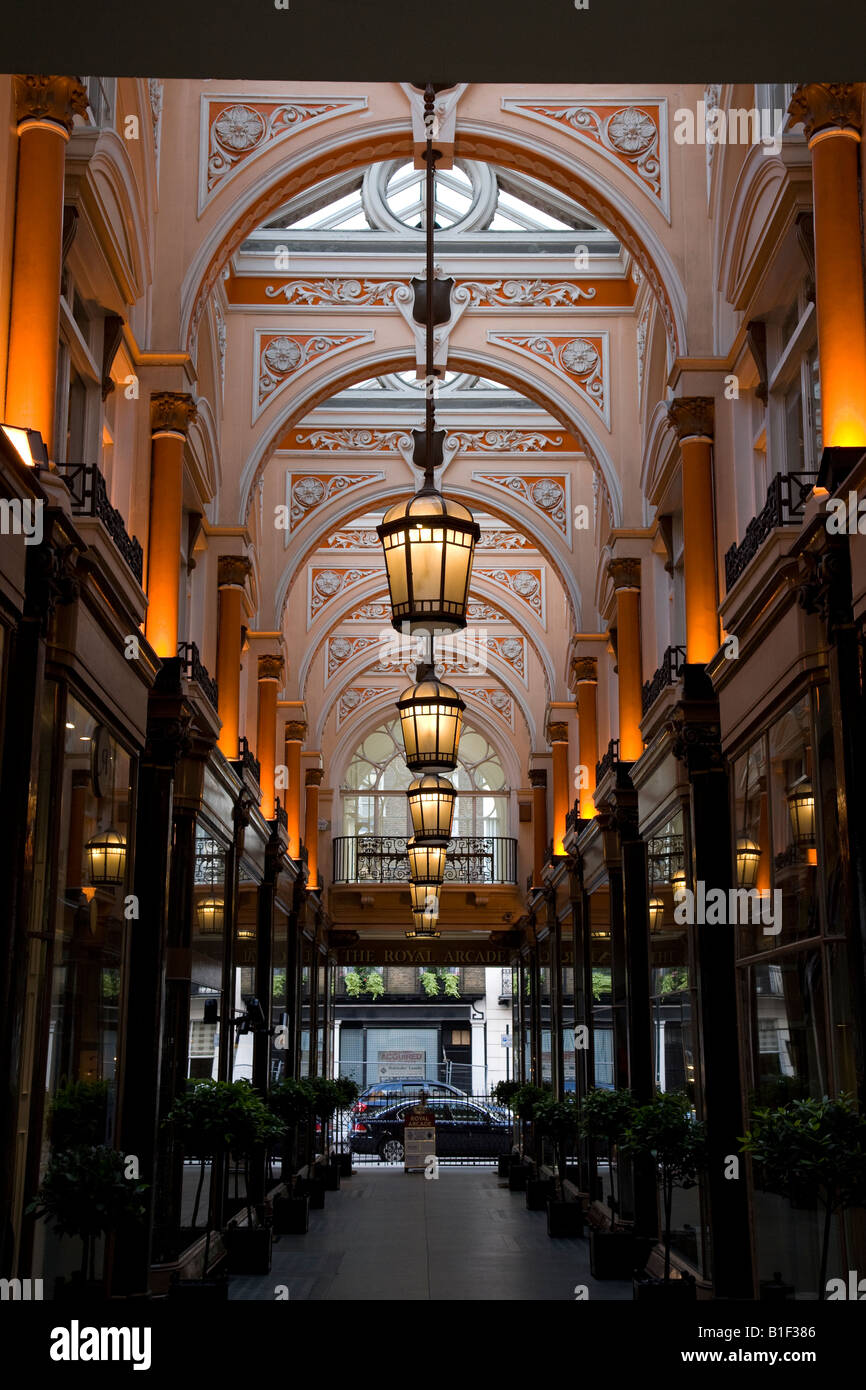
<point x="379" y="953"/>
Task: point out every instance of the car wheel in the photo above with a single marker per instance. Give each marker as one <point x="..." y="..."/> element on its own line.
<point x="391" y="1151"/>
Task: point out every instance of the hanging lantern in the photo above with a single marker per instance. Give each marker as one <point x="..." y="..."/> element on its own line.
<point x="801" y="806"/>
<point x="425" y="924"/>
<point x="431" y="804"/>
<point x="678" y="884"/>
<point x="426" y="860"/>
<point x="656" y="914"/>
<point x="106" y="854"/>
<point x="247" y="932"/>
<point x="425" y="897"/>
<point x="429" y="542"/>
<point x="210" y="916"/>
<point x="427" y="930"/>
<point x="431" y="718"/>
<point x="748" y="862"/>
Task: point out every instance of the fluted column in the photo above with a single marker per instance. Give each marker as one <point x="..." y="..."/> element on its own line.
<point x="557" y="737"/>
<point x="313" y="781"/>
<point x="538" y="782"/>
<point x="625" y="574"/>
<point x="232" y="575"/>
<point x="692" y="417"/>
<point x="171" y="414"/>
<point x="296" y="731"/>
<point x="45" y="109"/>
<point x="270" y="678"/>
<point x="585" y="674"/>
<point x="831" y="116"/>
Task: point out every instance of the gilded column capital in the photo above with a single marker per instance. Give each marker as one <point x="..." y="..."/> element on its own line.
<point x="233" y="571"/>
<point x="625" y="573"/>
<point x="584" y="670"/>
<point x="49" y="98"/>
<point x="296" y="731"/>
<point x="826" y="106"/>
<point x="538" y="777"/>
<point x="313" y="776"/>
<point x="557" y="732"/>
<point x="271" y="667"/>
<point x="692" y="416"/>
<point x="171" y="410"/>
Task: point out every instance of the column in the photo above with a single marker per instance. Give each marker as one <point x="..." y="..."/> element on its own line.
<point x="296" y="730"/>
<point x="538" y="782"/>
<point x="625" y="574"/>
<point x="171" y="414"/>
<point x="692" y="418"/>
<point x="830" y="113"/>
<point x="585" y="674"/>
<point x="313" y="781"/>
<point x="232" y="572"/>
<point x="45" y="109"/>
<point x="270" y="678"/>
<point x="557" y="734"/>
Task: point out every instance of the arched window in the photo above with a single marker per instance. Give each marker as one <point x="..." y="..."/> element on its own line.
<point x="374" y="788"/>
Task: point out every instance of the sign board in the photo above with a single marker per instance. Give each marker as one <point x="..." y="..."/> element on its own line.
<point x="419" y="1137"/>
<point x="395" y="1064"/>
<point x="505" y="1039"/>
<point x="439" y="953"/>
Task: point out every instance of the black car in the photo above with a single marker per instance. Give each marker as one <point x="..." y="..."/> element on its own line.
<point x="376" y="1097"/>
<point x="463" y="1130"/>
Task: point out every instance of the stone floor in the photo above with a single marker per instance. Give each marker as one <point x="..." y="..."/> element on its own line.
<point x="392" y="1236"/>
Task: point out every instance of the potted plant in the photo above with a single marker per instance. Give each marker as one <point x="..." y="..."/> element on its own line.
<point x="604" y="1118"/>
<point x="523" y="1103"/>
<point x="349" y="1091"/>
<point x="326" y="1102"/>
<point x="664" y="1130"/>
<point x="291" y="1101"/>
<point x="502" y="1094"/>
<point x="250" y="1126"/>
<point x="812" y="1151"/>
<point x="558" y="1120"/>
<point x="85" y="1193"/>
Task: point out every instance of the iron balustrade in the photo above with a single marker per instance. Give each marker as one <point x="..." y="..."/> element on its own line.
<point x="607" y="762"/>
<point x="786" y="498"/>
<point x="247" y="761"/>
<point x="669" y="671"/>
<point x="196" y="671"/>
<point x="383" y="859"/>
<point x="90" y="498"/>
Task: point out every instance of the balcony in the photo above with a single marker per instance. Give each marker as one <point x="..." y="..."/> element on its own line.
<point x="247" y="762"/>
<point x="610" y="758"/>
<point x="194" y="670"/>
<point x="90" y="498"/>
<point x="667" y="674"/>
<point x="383" y="859"/>
<point x="786" y="499"/>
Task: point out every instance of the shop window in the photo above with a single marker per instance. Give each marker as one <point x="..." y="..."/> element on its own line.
<point x="794" y="828"/>
<point x="461" y="1037"/>
<point x="208" y="935"/>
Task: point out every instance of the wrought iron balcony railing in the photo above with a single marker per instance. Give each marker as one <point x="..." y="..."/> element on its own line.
<point x="247" y="761"/>
<point x="607" y="762"/>
<point x="572" y="817"/>
<point x="383" y="859"/>
<point x="281" y="815"/>
<point x="669" y="671"/>
<point x="90" y="498"/>
<point x="786" y="498"/>
<point x="196" y="671"/>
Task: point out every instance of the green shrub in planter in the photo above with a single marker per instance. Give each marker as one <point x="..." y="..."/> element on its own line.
<point x="812" y="1150"/>
<point x="291" y="1102"/>
<point x="326" y="1102"/>
<point x="79" y="1114"/>
<point x="665" y="1131"/>
<point x="84" y="1193"/>
<point x="503" y="1093"/>
<point x="604" y="1117"/>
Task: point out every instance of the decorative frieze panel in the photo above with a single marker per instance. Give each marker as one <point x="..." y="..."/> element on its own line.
<point x="504" y="539"/>
<point x="352" y="539"/>
<point x="325" y="584"/>
<point x="508" y="441"/>
<point x="378" y="609"/>
<point x="279" y="357"/>
<point x="526" y="293"/>
<point x="490" y="293"/>
<point x="355" y="697"/>
<point x="233" y="132"/>
<point x="364" y="439"/>
<point x="525" y="585"/>
<point x="493" y="698"/>
<point x="307" y="491"/>
<point x="342" y="649"/>
<point x="548" y="494"/>
<point x="337" y="291"/>
<point x="582" y="361"/>
<point x="631" y="136"/>
<point x="360" y="440"/>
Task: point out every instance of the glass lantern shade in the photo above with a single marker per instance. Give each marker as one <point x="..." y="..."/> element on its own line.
<point x="424" y="924"/>
<point x="656" y="914"/>
<point x="210" y="916"/>
<point x="748" y="862"/>
<point x="431" y="804"/>
<point x="801" y="807"/>
<point x="431" y="719"/>
<point x="106" y="855"/>
<point x="429" y="543"/>
<point x="247" y="932"/>
<point x="425" y="898"/>
<point x="426" y="860"/>
<point x="678" y="884"/>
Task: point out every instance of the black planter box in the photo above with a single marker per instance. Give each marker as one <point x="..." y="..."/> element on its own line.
<point x="648" y="1290"/>
<point x="612" y="1254"/>
<point x="329" y="1176"/>
<point x="539" y="1191"/>
<point x="344" y="1163"/>
<point x="291" y="1216"/>
<point x="309" y="1187"/>
<point x="78" y="1290"/>
<point x="518" y="1175"/>
<point x="248" y="1249"/>
<point x="564" y="1219"/>
<point x="199" y="1291"/>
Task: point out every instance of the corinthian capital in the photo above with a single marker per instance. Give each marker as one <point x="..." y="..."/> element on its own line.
<point x="171" y="410"/>
<point x="826" y="106"/>
<point x="271" y="667"/>
<point x="557" y="732"/>
<point x="625" y="573"/>
<point x="296" y="731"/>
<point x="692" y="415"/>
<point x="49" y="98"/>
<point x="232" y="571"/>
<point x="584" y="671"/>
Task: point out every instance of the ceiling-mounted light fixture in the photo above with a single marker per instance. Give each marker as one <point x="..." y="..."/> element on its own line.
<point x="431" y="719"/>
<point x="426" y="860"/>
<point x="431" y="804"/>
<point x="210" y="916"/>
<point x="106" y="854"/>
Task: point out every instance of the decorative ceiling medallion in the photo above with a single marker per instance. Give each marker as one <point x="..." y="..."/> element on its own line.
<point x="233" y="131"/>
<point x="341" y="291"/>
<point x="356" y="697"/>
<point x="633" y="137"/>
<point x="527" y="585"/>
<point x="279" y="356"/>
<point x="498" y="700"/>
<point x="525" y="293"/>
<point x="511" y="651"/>
<point x="307" y="491"/>
<point x="325" y="584"/>
<point x="584" y="361"/>
<point x="548" y="493"/>
<point x="342" y="649"/>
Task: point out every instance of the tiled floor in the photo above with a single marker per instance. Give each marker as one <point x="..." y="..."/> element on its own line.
<point x="391" y="1236"/>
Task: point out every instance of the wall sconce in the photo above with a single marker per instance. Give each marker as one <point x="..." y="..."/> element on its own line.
<point x="28" y="445"/>
<point x="748" y="862"/>
<point x="656" y="914"/>
<point x="106" y="854"/>
<point x="210" y="916"/>
<point x="801" y="806"/>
